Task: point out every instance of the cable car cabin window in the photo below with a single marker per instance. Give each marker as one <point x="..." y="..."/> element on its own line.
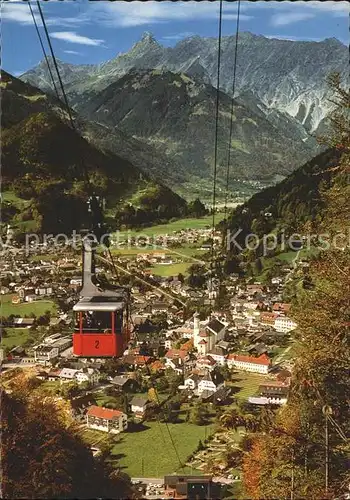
<point x="97" y="322"/>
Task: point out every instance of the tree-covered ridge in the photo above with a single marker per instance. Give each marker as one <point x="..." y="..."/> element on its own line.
<point x="44" y="161"/>
<point x="290" y="203"/>
<point x="305" y="453"/>
<point x="42" y="454"/>
<point x="299" y="199"/>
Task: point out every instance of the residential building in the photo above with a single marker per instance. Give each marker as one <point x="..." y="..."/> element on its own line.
<point x="221" y="396"/>
<point x="174" y="354"/>
<point x="263" y="400"/>
<point x="275" y="390"/>
<point x="205" y="363"/>
<point x="87" y="375"/>
<point x="191" y="382"/>
<point x="159" y="307"/>
<point x="68" y="375"/>
<point x="210" y="383"/>
<point x="23" y="322"/>
<point x="268" y="318"/>
<point x="218" y="354"/>
<point x="139" y="406"/>
<point x="43" y="353"/>
<point x="281" y="307"/>
<point x="44" y="291"/>
<point x="62" y="343"/>
<point x="260" y="364"/>
<point x="284" y="324"/>
<point x="106" y="420"/>
<point x="31" y="298"/>
<point x="125" y="383"/>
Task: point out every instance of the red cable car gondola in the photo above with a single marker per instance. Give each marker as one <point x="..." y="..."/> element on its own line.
<point x="101" y="316"/>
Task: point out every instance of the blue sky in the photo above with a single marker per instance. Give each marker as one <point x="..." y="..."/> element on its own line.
<point x="93" y="32"/>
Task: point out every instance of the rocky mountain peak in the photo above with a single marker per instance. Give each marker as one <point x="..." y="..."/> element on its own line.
<point x="147" y="36"/>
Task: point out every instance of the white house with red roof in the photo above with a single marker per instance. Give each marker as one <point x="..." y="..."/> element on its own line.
<point x="261" y="364"/>
<point x="176" y="359"/>
<point x="106" y="420"/>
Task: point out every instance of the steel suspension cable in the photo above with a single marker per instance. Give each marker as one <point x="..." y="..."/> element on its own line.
<point x="216" y="144"/>
<point x="86" y="176"/>
<point x="84" y="166"/>
<point x="232" y="108"/>
<point x="43" y="50"/>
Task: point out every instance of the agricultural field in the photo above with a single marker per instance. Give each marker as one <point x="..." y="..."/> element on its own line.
<point x="185" y="251"/>
<point x="15" y="337"/>
<point x="31" y="309"/>
<point x="171" y="269"/>
<point x="170" y="227"/>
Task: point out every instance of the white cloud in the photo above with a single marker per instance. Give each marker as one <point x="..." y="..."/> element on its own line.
<point x="128" y="14"/>
<point x="73" y="52"/>
<point x="178" y="36"/>
<point x="286" y="12"/>
<point x="125" y="14"/>
<point x="286" y="18"/>
<point x="18" y="12"/>
<point x="72" y="37"/>
<point x="336" y="8"/>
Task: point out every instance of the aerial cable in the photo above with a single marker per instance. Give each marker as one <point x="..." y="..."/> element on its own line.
<point x="84" y="166"/>
<point x="232" y="108"/>
<point x="150" y="285"/>
<point x="55" y="65"/>
<point x="86" y="176"/>
<point x="216" y="145"/>
<point x="44" y="51"/>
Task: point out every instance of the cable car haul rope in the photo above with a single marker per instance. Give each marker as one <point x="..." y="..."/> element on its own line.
<point x="102" y="316"/>
<point x="86" y="342"/>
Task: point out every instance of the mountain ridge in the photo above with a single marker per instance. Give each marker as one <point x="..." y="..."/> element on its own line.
<point x="176" y="114"/>
<point x="284" y="74"/>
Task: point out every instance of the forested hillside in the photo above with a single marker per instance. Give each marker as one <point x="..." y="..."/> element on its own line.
<point x="308" y="441"/>
<point x="44" y="162"/>
<point x="42" y="453"/>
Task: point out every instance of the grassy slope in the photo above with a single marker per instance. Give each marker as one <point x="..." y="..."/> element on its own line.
<point x="152" y="448"/>
<point x="32" y="309"/>
<point x="170" y="270"/>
